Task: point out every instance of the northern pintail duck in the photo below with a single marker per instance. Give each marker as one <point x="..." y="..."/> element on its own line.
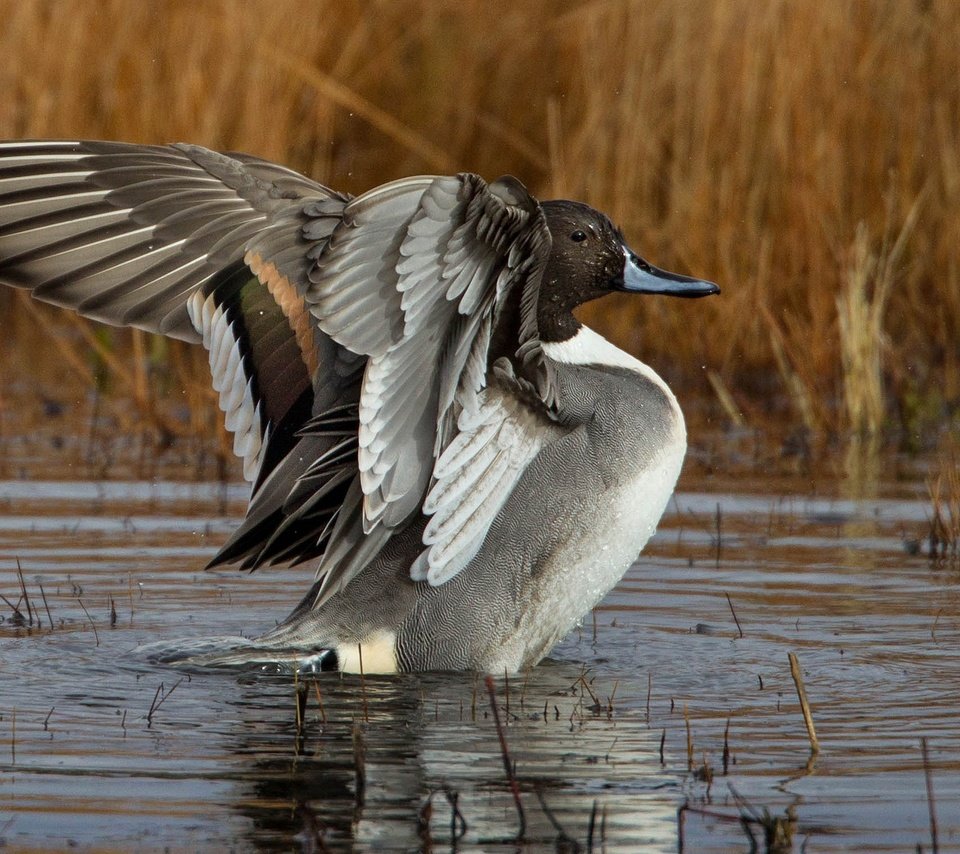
<point x="417" y="409"/>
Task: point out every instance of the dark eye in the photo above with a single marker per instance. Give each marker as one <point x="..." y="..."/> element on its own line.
<point x="578" y="236"/>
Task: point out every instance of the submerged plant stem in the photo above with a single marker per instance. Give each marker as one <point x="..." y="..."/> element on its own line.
<point x="804" y="705"/>
<point x="505" y="753"/>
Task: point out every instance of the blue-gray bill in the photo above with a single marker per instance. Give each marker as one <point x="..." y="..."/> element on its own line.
<point x="641" y="277"/>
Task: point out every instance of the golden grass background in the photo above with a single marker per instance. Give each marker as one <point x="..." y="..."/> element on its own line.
<point x="804" y="155"/>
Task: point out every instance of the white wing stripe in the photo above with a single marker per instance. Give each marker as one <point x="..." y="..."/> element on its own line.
<point x="242" y="412"/>
<point x="220" y="354"/>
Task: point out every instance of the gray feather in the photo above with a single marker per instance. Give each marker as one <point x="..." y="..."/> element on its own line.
<point x="126" y="233"/>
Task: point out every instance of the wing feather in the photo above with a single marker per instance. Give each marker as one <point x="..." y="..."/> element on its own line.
<point x="126" y="233"/>
<point x="474" y="478"/>
<point x="309" y="302"/>
<point x="412" y="278"/>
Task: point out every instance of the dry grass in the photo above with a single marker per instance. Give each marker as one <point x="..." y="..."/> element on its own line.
<point x="861" y="308"/>
<point x="779" y="148"/>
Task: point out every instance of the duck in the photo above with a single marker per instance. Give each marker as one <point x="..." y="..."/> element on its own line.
<point x="418" y="412"/>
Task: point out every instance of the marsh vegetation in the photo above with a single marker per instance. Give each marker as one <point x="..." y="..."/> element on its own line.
<point x="803" y="155"/>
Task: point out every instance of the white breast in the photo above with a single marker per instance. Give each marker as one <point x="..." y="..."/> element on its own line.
<point x="608" y="539"/>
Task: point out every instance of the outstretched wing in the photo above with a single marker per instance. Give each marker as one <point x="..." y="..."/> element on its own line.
<point x="415" y="278"/>
<point x="194" y="244"/>
<point x="350" y="341"/>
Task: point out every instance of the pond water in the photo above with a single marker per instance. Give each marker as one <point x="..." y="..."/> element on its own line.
<point x="660" y="725"/>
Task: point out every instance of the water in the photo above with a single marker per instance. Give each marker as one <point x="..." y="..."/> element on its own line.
<point x="101" y="750"/>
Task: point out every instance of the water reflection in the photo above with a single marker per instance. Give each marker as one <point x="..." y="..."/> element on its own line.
<point x="432" y="740"/>
<point x="220" y="762"/>
<point x="861" y="468"/>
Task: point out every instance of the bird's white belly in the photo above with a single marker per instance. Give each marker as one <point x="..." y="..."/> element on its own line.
<point x="600" y="549"/>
